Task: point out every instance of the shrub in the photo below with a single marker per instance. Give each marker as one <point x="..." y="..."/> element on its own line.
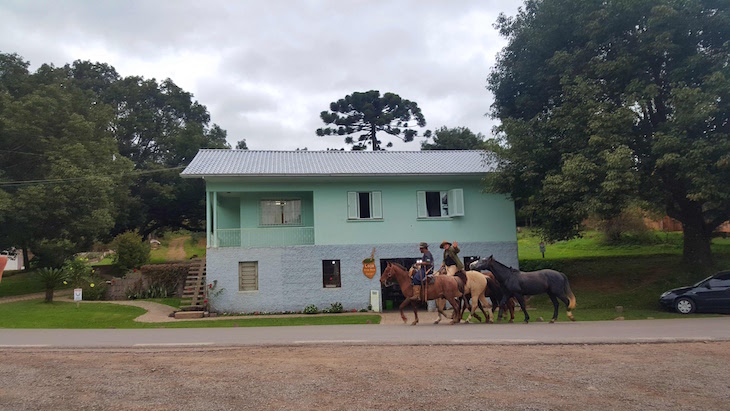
<point x="51" y="278"/>
<point x="131" y="251"/>
<point x="628" y="227"/>
<point x="94" y="289"/>
<point x="77" y="271"/>
<point x="311" y="309"/>
<point x="335" y="308"/>
<point x="153" y="291"/>
<point x="169" y="276"/>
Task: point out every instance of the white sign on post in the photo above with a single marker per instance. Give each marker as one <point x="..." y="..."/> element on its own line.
<point x="77" y="294"/>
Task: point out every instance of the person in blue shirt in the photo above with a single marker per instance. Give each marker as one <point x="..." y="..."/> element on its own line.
<point x="424" y="268"/>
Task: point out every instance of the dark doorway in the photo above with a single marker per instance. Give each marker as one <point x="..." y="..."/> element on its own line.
<point x="391" y="296"/>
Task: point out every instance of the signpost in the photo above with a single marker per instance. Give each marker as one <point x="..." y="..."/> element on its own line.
<point x="77" y="296"/>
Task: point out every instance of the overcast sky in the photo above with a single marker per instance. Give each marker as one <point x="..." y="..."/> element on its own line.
<point x="266" y="69"/>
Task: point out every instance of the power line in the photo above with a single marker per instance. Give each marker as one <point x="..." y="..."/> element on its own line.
<point x="71" y="179"/>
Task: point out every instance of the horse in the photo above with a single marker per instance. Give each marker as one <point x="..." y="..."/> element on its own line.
<point x="495" y="293"/>
<point x="449" y="288"/>
<point x="475" y="287"/>
<point x="518" y="284"/>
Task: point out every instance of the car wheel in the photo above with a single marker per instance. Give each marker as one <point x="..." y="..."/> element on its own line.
<point x="684" y="306"/>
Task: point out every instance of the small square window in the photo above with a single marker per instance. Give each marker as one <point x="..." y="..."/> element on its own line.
<point x="331" y="274"/>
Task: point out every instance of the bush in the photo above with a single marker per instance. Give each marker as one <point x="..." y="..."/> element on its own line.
<point x="154" y="291"/>
<point x="77" y="271"/>
<point x="336" y="308"/>
<point x="628" y="227"/>
<point x="93" y="289"/>
<point x="169" y="276"/>
<point x="131" y="251"/>
<point x="311" y="309"/>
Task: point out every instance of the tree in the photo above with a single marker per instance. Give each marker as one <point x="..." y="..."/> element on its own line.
<point x="241" y="145"/>
<point x="368" y="113"/>
<point x="458" y="138"/>
<point x="605" y="101"/>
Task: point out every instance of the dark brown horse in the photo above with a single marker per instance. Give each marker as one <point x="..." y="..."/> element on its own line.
<point x="494" y="293"/>
<point x="443" y="287"/>
<point x="518" y="284"/>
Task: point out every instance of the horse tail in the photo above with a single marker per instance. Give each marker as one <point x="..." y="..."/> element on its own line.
<point x="569" y="293"/>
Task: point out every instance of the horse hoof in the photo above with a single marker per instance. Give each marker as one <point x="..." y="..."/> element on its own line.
<point x="414" y="323"/>
<point x="490" y="322"/>
<point x="527" y="322"/>
<point x="436" y="322"/>
<point x="511" y="321"/>
<point x="552" y="321"/>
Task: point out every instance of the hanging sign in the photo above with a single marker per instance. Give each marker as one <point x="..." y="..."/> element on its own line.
<point x="368" y="266"/>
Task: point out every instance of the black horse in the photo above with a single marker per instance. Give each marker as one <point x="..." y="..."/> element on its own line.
<point x="518" y="284"/>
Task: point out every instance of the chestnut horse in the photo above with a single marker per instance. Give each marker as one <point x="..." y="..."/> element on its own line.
<point x="446" y="287"/>
<point x="475" y="288"/>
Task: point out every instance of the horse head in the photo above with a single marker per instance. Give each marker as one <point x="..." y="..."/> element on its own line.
<point x="481" y="264"/>
<point x="386" y="278"/>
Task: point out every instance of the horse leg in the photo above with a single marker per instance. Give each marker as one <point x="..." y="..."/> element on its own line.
<point x="440" y="303"/>
<point x="402" y="305"/>
<point x="565" y="300"/>
<point x="489" y="317"/>
<point x="555" y="307"/>
<point x="456" y="316"/>
<point x="511" y="307"/>
<point x="521" y="299"/>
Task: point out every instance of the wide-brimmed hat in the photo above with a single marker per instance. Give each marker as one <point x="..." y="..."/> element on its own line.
<point x="423" y="245"/>
<point x="443" y="243"/>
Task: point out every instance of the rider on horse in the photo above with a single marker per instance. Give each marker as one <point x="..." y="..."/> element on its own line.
<point x="424" y="268"/>
<point x="451" y="259"/>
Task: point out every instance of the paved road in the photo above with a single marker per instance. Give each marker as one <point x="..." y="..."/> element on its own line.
<point x="599" y="332"/>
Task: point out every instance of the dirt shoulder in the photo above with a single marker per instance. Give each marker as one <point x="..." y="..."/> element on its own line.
<point x="637" y="376"/>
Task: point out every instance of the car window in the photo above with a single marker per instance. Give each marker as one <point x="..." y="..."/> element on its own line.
<point x="700" y="283"/>
<point x="716" y="282"/>
<point x="723" y="276"/>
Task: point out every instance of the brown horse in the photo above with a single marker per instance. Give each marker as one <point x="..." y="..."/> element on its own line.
<point x="446" y="287"/>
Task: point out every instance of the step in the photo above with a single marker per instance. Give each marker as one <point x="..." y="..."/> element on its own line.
<point x="186" y="315"/>
<point x="191" y="307"/>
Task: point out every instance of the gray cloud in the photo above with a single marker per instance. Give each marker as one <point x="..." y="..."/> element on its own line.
<point x="266" y="69"/>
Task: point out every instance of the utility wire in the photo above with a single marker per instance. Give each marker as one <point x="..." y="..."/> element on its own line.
<point x="71" y="179"/>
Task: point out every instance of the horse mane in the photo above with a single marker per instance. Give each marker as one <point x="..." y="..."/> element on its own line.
<point x="399" y="266"/>
<point x="503" y="267"/>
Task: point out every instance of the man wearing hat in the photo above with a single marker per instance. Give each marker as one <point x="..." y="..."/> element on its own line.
<point x="424" y="267"/>
<point x="451" y="259"/>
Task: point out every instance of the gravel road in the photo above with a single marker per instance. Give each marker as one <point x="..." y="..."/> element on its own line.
<point x="539" y="377"/>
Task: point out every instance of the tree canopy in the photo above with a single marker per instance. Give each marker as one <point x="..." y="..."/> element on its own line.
<point x="458" y="138"/>
<point x="604" y="102"/>
<point x="361" y="116"/>
<point x="85" y="154"/>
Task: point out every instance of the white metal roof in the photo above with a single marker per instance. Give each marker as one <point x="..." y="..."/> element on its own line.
<point x="222" y="162"/>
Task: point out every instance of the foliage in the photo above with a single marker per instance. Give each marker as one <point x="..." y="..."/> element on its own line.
<point x="51" y="278"/>
<point x="93" y="289"/>
<point x="335" y="308"/>
<point x="459" y="138"/>
<point x="241" y="145"/>
<point x="153" y="291"/>
<point x="601" y="102"/>
<point x="53" y="253"/>
<point x="130" y="251"/>
<point x="169" y="276"/>
<point x="211" y="291"/>
<point x="627" y="225"/>
<point x="311" y="309"/>
<point x="367" y="113"/>
<point x="77" y="271"/>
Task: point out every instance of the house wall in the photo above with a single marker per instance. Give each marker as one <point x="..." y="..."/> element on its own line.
<point x="290" y="278"/>
<point x="487" y="217"/>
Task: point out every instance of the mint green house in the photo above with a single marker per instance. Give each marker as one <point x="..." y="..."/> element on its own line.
<point x="286" y="229"/>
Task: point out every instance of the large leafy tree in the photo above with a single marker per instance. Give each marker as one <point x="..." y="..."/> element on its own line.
<point x="361" y="116"/>
<point x="602" y="102"/>
<point x="458" y="138"/>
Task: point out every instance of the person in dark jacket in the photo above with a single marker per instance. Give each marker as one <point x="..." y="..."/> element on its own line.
<point x="424" y="267"/>
<point x="451" y="259"/>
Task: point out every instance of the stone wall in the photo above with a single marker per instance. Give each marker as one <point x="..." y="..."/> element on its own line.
<point x="290" y="278"/>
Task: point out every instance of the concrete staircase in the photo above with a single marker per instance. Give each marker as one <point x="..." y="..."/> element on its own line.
<point x="194" y="292"/>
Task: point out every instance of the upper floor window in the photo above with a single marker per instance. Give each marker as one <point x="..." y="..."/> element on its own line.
<point x="281" y="212"/>
<point x="440" y="203"/>
<point x="364" y="205"/>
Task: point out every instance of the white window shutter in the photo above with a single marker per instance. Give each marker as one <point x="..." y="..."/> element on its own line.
<point x="352" y="205"/>
<point x="421" y="196"/>
<point x="376" y="205"/>
<point x="456" y="202"/>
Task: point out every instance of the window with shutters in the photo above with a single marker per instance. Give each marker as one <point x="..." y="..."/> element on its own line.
<point x="281" y="212"/>
<point x="364" y="205"/>
<point x="439" y="204"/>
<point x="331" y="274"/>
<point x="248" y="276"/>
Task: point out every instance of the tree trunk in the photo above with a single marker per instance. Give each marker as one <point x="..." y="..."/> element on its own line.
<point x="697" y="240"/>
<point x="49" y="295"/>
<point x="373" y="138"/>
<point x="26" y="261"/>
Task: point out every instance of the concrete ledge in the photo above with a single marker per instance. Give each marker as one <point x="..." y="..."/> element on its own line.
<point x="186" y="315"/>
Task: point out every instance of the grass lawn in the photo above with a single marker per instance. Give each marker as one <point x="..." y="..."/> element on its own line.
<point x="19" y="284"/>
<point x="37" y="314"/>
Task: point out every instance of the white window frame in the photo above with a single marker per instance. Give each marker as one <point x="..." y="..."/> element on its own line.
<point x="353" y="205"/>
<point x="252" y="283"/>
<point x="284" y="203"/>
<point x="454" y="204"/>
